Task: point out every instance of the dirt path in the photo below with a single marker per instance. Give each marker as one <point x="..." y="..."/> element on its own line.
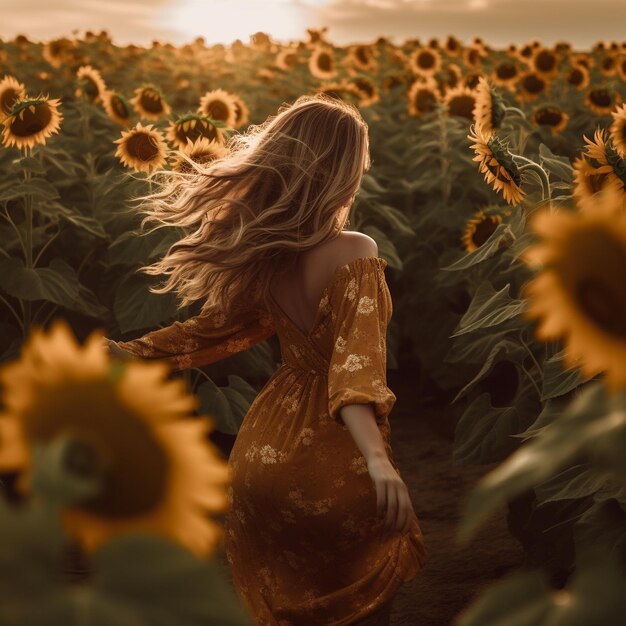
<point x="421" y="440"/>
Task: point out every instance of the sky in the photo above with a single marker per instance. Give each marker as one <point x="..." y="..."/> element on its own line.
<point x="498" y="22"/>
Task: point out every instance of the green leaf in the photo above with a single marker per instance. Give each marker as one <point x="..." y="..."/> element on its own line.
<point x="56" y="283"/>
<point x="163" y="583"/>
<point x="489" y="308"/>
<point x="37" y="188"/>
<point x="557" y="380"/>
<point x="83" y="222"/>
<point x="559" y="166"/>
<point x="135" y="307"/>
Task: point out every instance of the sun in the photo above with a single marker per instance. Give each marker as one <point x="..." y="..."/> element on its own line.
<point x="223" y="21"/>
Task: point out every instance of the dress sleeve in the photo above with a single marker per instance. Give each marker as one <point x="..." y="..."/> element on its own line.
<point x="358" y="365"/>
<point x="204" y="338"/>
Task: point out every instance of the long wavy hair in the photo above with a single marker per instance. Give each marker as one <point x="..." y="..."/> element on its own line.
<point x="283" y="186"/>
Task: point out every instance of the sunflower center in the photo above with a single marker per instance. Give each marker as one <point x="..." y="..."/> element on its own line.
<point x="142" y="146"/>
<point x="484" y="230"/>
<point x="324" y="62"/>
<point x="545" y="61"/>
<point x="548" y="116"/>
<point x="593" y="274"/>
<point x="425" y="60"/>
<point x="362" y="55"/>
<point x="601" y="97"/>
<point x="463" y="106"/>
<point x="425" y="100"/>
<point x="136" y="465"/>
<point x="365" y="86"/>
<point x="608" y="63"/>
<point x="217" y="110"/>
<point x="506" y="71"/>
<point x="533" y="84"/>
<point x="575" y="77"/>
<point x="31" y="123"/>
<point x="151" y="101"/>
<point x="119" y="108"/>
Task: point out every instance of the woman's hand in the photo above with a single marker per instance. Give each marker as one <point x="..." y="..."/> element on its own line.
<point x="392" y="496"/>
<point x="115" y="351"/>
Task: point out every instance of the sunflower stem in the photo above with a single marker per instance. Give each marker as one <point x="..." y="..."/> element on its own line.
<point x="29" y="244"/>
<point x="17" y="317"/>
<point x="545" y="183"/>
<point x="443" y="147"/>
<point x="515" y="110"/>
<point x="532" y="380"/>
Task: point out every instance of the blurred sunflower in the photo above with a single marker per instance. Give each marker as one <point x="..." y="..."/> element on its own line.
<point x="582" y="58"/>
<point x="505" y="74"/>
<point x="605" y="157"/>
<point x="368" y="93"/>
<point x="618" y="130"/>
<point x="450" y="77"/>
<point x="478" y="229"/>
<point x="149" y="103"/>
<point x="588" y="181"/>
<point x="425" y="62"/>
<point x="460" y="102"/>
<point x="470" y="80"/>
<point x="55" y="51"/>
<point x="201" y="151"/>
<point x="423" y="97"/>
<point x="578" y="76"/>
<point x="117" y="107"/>
<point x="142" y="148"/>
<point x="601" y="101"/>
<point x="159" y="472"/>
<point x="342" y="90"/>
<point x="219" y="105"/>
<point x="242" y="112"/>
<point x="10" y="92"/>
<point x="361" y="58"/>
<point x="91" y="85"/>
<point x="287" y="59"/>
<point x="192" y="126"/>
<point x="530" y="85"/>
<point x="452" y="46"/>
<point x="545" y="62"/>
<point x="322" y="63"/>
<point x="621" y="67"/>
<point x="525" y="53"/>
<point x="579" y="294"/>
<point x="489" y="108"/>
<point x="472" y="56"/>
<point x="608" y="65"/>
<point x="395" y="79"/>
<point x="497" y="164"/>
<point x="31" y="121"/>
<point x="550" y="116"/>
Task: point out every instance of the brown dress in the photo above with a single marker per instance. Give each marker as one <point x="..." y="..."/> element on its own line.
<point x="301" y="534"/>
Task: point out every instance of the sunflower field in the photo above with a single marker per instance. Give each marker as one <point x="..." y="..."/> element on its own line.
<point x="497" y="197"/>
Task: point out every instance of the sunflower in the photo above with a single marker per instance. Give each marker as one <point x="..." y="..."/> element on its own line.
<point x="218" y="104"/>
<point x="361" y="58"/>
<point x="192" y="126"/>
<point x="489" y="109"/>
<point x="242" y="112"/>
<point x="552" y="117"/>
<point x="368" y="93"/>
<point x="603" y="156"/>
<point x="450" y="76"/>
<point x="287" y="59"/>
<point x="580" y="293"/>
<point x="578" y="76"/>
<point x="322" y="63"/>
<point x="142" y="148"/>
<point x="497" y="164"/>
<point x="608" y="65"/>
<point x="423" y="97"/>
<point x="525" y="53"/>
<point x="545" y="63"/>
<point x="201" y="151"/>
<point x="342" y="90"/>
<point x="582" y="58"/>
<point x="317" y="35"/>
<point x="149" y="103"/>
<point x="505" y="74"/>
<point x="117" y="107"/>
<point x="452" y="46"/>
<point x="160" y="473"/>
<point x="470" y="80"/>
<point x="460" y="101"/>
<point x="31" y="121"/>
<point x="588" y="181"/>
<point x="91" y="85"/>
<point x="478" y="229"/>
<point x="392" y="80"/>
<point x="10" y="92"/>
<point x="55" y="51"/>
<point x="472" y="56"/>
<point x="600" y="100"/>
<point x="621" y="67"/>
<point x="425" y="62"/>
<point x="530" y="85"/>
<point x="618" y="130"/>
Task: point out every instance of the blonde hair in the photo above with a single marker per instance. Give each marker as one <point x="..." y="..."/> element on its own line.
<point x="279" y="190"/>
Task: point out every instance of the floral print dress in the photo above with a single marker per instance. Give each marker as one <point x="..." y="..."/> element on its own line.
<point x="301" y="534"/>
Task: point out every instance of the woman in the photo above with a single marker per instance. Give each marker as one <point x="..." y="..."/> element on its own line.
<point x="313" y="478"/>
